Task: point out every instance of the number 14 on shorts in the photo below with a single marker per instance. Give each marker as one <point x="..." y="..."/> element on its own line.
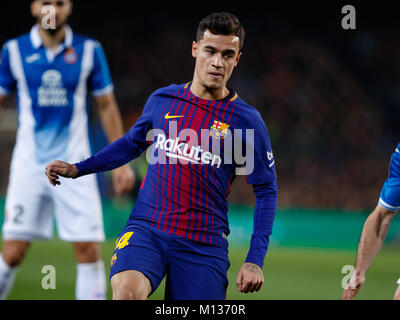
<point x="123" y="241"/>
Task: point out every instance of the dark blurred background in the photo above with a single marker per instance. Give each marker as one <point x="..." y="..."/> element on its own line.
<point x="330" y="97"/>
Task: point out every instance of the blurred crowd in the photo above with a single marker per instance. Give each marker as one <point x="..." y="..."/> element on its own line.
<point x="331" y="109"/>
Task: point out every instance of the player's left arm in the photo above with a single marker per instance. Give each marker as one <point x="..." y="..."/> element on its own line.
<point x="260" y="164"/>
<point x="397" y="293"/>
<point x="123" y="177"/>
<point x="375" y="228"/>
<point x="250" y="277"/>
<point x="102" y="90"/>
<point x="373" y="235"/>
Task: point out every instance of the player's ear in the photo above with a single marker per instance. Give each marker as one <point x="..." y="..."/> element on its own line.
<point x="35" y="9"/>
<point x="194" y="49"/>
<point x="71" y="7"/>
<point x="237" y="58"/>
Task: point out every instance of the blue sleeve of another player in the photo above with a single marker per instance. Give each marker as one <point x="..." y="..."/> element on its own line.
<point x="100" y="80"/>
<point x="389" y="197"/>
<point x="123" y="150"/>
<point x="394" y="168"/>
<point x="7" y="81"/>
<point x="260" y="165"/>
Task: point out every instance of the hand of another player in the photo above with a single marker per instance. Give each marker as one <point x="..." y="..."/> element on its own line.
<point x="60" y="168"/>
<point x="123" y="179"/>
<point x="354" y="286"/>
<point x="250" y="278"/>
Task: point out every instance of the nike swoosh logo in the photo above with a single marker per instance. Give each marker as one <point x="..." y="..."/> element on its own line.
<point x="167" y="116"/>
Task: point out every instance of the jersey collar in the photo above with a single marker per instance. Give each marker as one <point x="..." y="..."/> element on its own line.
<point x="230" y="97"/>
<point x="37" y="41"/>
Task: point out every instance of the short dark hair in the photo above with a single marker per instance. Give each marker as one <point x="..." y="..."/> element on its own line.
<point x="221" y="23"/>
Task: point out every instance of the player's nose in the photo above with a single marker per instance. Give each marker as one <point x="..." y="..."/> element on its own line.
<point x="217" y="60"/>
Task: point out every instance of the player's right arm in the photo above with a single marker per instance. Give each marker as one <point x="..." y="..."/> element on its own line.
<point x="60" y="168"/>
<point x="7" y="80"/>
<point x="1" y="104"/>
<point x="113" y="156"/>
<point x="1" y="101"/>
<point x="372" y="238"/>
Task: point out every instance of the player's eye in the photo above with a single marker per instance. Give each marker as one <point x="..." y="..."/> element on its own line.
<point x="228" y="54"/>
<point x="209" y="51"/>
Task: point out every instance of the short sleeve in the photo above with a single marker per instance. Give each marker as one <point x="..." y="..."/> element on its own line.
<point x="389" y="197"/>
<point x="394" y="168"/>
<point x="100" y="81"/>
<point x="7" y="81"/>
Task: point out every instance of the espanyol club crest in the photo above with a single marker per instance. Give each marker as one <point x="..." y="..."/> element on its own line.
<point x="219" y="129"/>
<point x="70" y="56"/>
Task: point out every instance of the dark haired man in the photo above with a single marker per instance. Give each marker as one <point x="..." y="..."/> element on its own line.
<point x="179" y="226"/>
<point x="53" y="70"/>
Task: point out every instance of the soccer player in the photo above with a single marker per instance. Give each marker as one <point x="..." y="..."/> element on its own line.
<point x="376" y="227"/>
<point x="179" y="225"/>
<point x="53" y="71"/>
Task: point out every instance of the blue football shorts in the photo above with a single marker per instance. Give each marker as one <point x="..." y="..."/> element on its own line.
<point x="390" y="193"/>
<point x="193" y="270"/>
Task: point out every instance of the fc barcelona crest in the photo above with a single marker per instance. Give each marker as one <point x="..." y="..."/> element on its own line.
<point x="219" y="129"/>
<point x="113" y="259"/>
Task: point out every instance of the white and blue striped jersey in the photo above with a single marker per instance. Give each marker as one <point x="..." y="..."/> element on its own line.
<point x="53" y="94"/>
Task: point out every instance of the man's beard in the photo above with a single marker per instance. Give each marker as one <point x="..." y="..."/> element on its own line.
<point x="52" y="31"/>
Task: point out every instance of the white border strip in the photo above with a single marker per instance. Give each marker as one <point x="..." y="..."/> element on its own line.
<point x="103" y="91"/>
<point x="388" y="206"/>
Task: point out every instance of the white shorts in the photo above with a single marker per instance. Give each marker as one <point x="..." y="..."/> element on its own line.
<point x="31" y="201"/>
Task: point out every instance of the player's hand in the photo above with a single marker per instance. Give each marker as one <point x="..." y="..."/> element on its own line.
<point x="123" y="179"/>
<point x="60" y="168"/>
<point x="354" y="286"/>
<point x="250" y="278"/>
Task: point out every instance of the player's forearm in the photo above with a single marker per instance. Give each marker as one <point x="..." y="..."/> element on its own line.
<point x="1" y="101"/>
<point x="1" y="105"/>
<point x="113" y="156"/>
<point x="372" y="238"/>
<point x="264" y="214"/>
<point x="111" y="120"/>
